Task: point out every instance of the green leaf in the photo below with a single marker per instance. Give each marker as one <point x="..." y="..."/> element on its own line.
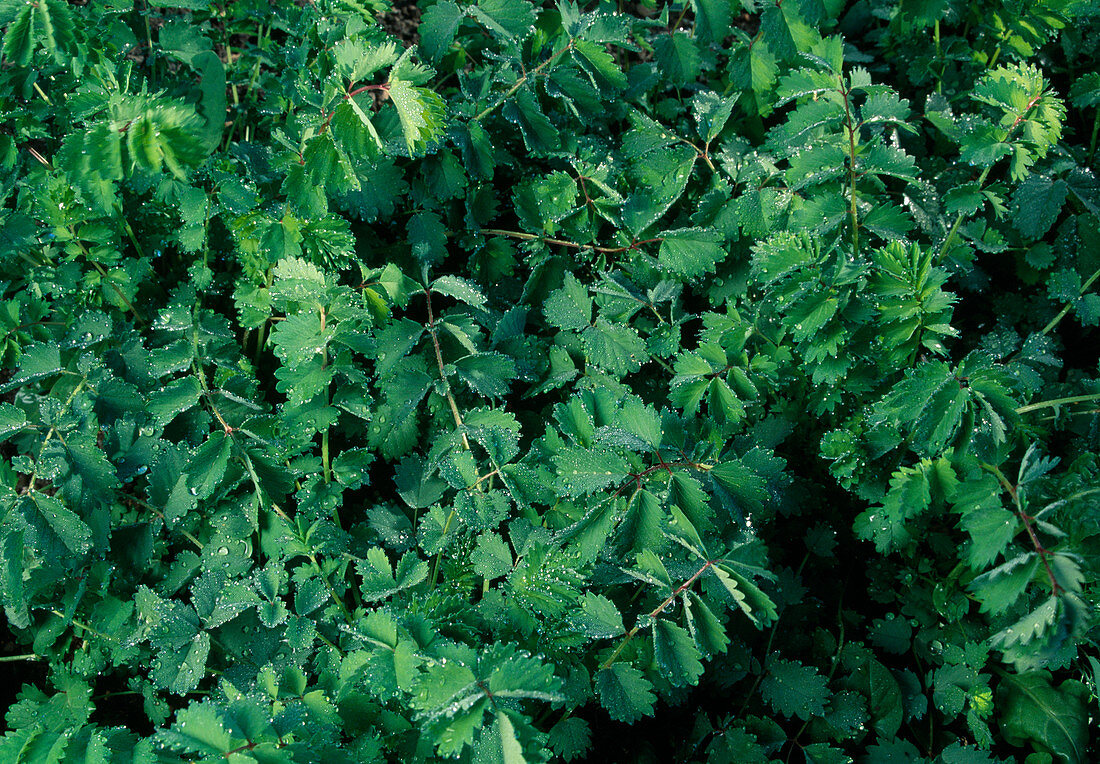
<point x="570" y="738"/>
<point x="487" y="374"/>
<point x="793" y="689"/>
<point x="174" y="398"/>
<point x="422" y="114"/>
<point x="512" y="19"/>
<point x="73" y="532"/>
<point x="12" y="420"/>
<point x="47" y="22"/>
<point x="753" y="602"/>
<point x="614" y="347"/>
<point x="712" y="18"/>
<point x="428" y="237"/>
<point x="539" y="134"/>
<point x="1037" y="203"/>
<point x="678" y="57"/>
<point x="11" y="579"/>
<point x="381" y="582"/>
<point x="676" y="654"/>
<point x="39" y="360"/>
<point x="492" y="558"/>
<point x="600" y="65"/>
<point x="208" y="464"/>
<point x="691" y="252"/>
<point x="437" y="29"/>
<point x="460" y="289"/>
<point x="599" y="618"/>
<point x="625" y="692"/>
<point x="499" y="744"/>
<point x="569" y="308"/>
<point x="1051" y="718"/>
<point x="999" y="589"/>
<point x="584" y="471"/>
<point x="197" y="729"/>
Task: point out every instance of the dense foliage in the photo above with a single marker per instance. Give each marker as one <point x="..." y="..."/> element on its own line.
<point x="702" y="382"/>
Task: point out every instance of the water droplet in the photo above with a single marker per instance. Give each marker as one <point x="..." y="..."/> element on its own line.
<point x="223" y="550"/>
<point x="193" y="491"/>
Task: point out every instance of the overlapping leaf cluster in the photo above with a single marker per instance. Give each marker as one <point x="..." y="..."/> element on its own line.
<point x="699" y="382"/>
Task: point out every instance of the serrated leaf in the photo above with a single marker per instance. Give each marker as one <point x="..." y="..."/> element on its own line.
<point x="793" y="689"/>
<point x="599" y="618"/>
<point x="585" y="471"/>
<point x="1034" y="710"/>
<point x="676" y="654"/>
<point x="691" y="252"/>
<point x="625" y="692"/>
<point x="422" y="114"/>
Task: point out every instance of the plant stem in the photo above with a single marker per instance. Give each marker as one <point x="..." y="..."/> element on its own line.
<point x="939" y="56"/>
<point x="328" y="585"/>
<point x="1055" y="589"/>
<point x="40" y="92"/>
<point x="853" y="207"/>
<point x="145" y="505"/>
<point x="1092" y="141"/>
<point x="1058" y="402"/>
<point x="50" y="433"/>
<point x="985" y="174"/>
<point x="442" y="371"/>
<point x="325" y="463"/>
<point x="432" y="332"/>
<point x="655" y="612"/>
<point x="563" y="243"/>
<point x="1069" y="306"/>
<point x="13" y="658"/>
<point x="522" y="80"/>
<point x="103" y="274"/>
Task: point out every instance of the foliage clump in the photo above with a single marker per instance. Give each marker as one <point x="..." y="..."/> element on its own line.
<point x="700" y="382"/>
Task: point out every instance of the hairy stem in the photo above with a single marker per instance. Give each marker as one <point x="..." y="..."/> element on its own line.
<point x="522" y="81"/>
<point x="1058" y="402"/>
<point x="851" y="128"/>
<point x="1069" y="306"/>
<point x="1055" y="589"/>
<point x="655" y="612"/>
<point x="982" y="178"/>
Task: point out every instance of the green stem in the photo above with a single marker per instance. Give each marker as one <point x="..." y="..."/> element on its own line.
<point x="325" y="462"/>
<point x="50" y="433"/>
<point x="522" y="80"/>
<point x="676" y="24"/>
<point x="1057" y="402"/>
<point x="655" y="612"/>
<point x="996" y="55"/>
<point x="251" y="84"/>
<point x="324" y="456"/>
<point x="853" y="207"/>
<point x="939" y="57"/>
<point x="1055" y="588"/>
<point x="103" y="275"/>
<point x="129" y="231"/>
<point x="328" y="585"/>
<point x="85" y="627"/>
<point x="40" y="92"/>
<point x="985" y="174"/>
<point x="1092" y="141"/>
<point x="1069" y="306"/>
<point x="145" y="505"/>
<point x="442" y="536"/>
<point x="13" y="658"/>
<point x="563" y="243"/>
<point x="149" y="41"/>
